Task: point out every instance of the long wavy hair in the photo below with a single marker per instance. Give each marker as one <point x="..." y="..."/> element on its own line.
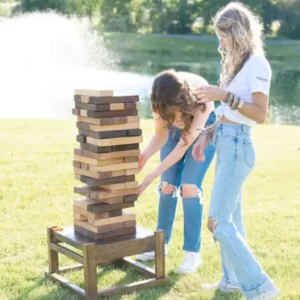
<point x="244" y="33"/>
<point x="170" y="91"/>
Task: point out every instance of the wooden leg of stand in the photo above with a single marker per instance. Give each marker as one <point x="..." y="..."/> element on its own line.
<point x="52" y="255"/>
<point x="160" y="254"/>
<point x="90" y="270"/>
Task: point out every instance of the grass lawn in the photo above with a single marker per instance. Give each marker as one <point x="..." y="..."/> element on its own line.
<point x="147" y="47"/>
<point x="36" y="190"/>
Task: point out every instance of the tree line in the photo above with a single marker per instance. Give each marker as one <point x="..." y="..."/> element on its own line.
<point x="170" y="16"/>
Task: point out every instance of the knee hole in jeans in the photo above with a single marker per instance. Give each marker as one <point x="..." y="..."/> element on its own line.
<point x="190" y="191"/>
<point x="167" y="188"/>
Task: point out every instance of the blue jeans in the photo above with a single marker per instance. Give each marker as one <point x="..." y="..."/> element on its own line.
<point x="187" y="171"/>
<point x="235" y="161"/>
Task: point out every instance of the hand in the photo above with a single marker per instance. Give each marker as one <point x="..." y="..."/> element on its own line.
<point x="147" y="181"/>
<point x="142" y="161"/>
<point x="210" y="93"/>
<point x="199" y="147"/>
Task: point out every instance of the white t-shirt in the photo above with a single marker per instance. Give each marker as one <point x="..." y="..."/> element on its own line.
<point x="255" y="76"/>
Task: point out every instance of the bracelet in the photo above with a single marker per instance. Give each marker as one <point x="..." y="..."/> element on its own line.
<point x="210" y="135"/>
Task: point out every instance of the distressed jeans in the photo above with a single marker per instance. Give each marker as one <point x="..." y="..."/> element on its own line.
<point x="187" y="172"/>
<point x="235" y="161"/>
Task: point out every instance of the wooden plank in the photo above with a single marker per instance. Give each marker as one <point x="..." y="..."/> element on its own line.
<point x="90" y="270"/>
<point x="107" y="114"/>
<point x="131" y="172"/>
<point x="125" y="248"/>
<point x="65" y="251"/>
<point x="130" y="198"/>
<point x="126" y="126"/>
<point x="108" y="122"/>
<point x="160" y="271"/>
<point x="115" y="187"/>
<point x="126" y="216"/>
<point x="139" y="267"/>
<point x="129" y="224"/>
<point x="81" y="138"/>
<point x="115" y="141"/>
<point x="102" y="175"/>
<point x="94" y="205"/>
<point x="109" y="134"/>
<point x="109" y="99"/>
<point x="94" y="93"/>
<point x="97" y="216"/>
<point x="132" y="185"/>
<point x="113" y="167"/>
<point x="128" y="159"/>
<point x="106" y="156"/>
<point x="103" y="207"/>
<point x="101" y="182"/>
<point x="66" y="283"/>
<point x="104" y="107"/>
<point x="97" y="149"/>
<point x="79" y="217"/>
<point x="97" y="162"/>
<point x="129" y="232"/>
<point x="52" y="255"/>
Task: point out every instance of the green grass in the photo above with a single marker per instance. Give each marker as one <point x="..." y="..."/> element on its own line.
<point x="36" y="190"/>
<point x="148" y="47"/>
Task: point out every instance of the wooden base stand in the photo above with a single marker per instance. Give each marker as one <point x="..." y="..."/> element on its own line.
<point x="104" y="253"/>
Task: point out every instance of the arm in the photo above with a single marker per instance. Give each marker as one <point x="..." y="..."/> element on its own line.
<point x="258" y="110"/>
<point x="182" y="146"/>
<point x="157" y="141"/>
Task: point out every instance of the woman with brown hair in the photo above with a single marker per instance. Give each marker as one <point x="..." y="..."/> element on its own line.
<point x="178" y="120"/>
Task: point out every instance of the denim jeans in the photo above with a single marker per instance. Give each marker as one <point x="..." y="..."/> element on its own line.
<point x="235" y="161"/>
<point x="187" y="171"/>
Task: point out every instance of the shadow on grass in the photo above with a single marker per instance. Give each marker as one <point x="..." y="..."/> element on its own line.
<point x="38" y="290"/>
<point x="226" y="296"/>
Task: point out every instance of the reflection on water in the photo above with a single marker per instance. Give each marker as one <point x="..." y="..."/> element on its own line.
<point x="45" y="56"/>
<point x="285" y="89"/>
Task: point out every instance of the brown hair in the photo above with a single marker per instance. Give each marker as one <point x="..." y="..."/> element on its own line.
<point x="171" y="91"/>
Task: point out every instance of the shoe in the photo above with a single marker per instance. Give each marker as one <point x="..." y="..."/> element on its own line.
<point x="191" y="263"/>
<point x="267" y="295"/>
<point x="150" y="255"/>
<point x="223" y="286"/>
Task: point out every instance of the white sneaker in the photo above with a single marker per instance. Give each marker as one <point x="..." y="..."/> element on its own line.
<point x="268" y="295"/>
<point x="150" y="255"/>
<point x="223" y="286"/>
<point x="191" y="263"/>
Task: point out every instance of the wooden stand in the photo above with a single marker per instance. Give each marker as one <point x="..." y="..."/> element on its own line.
<point x="104" y="253"/>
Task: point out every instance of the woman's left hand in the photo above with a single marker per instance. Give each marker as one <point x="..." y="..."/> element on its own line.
<point x="210" y="93"/>
<point x="147" y="181"/>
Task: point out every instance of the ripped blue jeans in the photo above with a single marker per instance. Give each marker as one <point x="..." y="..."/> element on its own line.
<point x="186" y="172"/>
<point x="235" y="161"/>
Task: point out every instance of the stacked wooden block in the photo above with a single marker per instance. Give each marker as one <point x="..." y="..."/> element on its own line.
<point x="106" y="162"/>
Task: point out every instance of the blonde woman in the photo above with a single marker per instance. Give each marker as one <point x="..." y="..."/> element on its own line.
<point x="244" y="92"/>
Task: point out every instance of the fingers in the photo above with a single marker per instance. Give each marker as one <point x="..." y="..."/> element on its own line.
<point x="203" y="100"/>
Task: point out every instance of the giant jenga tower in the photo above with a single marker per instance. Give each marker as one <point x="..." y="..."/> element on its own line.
<point x="109" y="135"/>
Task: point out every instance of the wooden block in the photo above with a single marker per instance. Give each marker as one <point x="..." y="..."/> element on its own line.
<point x="105" y="128"/>
<point x="96" y="162"/>
<point x="126" y="159"/>
<point x="75" y="112"/>
<point x="106" y="122"/>
<point x="104" y="107"/>
<point x="108" y="149"/>
<point x="134" y="132"/>
<point x="124" y="148"/>
<point x="87" y="203"/>
<point x="131" y="172"/>
<point x="133" y="119"/>
<point x="103" y="135"/>
<point x="98" y="175"/>
<point x="114" y="167"/>
<point x="117" y="226"/>
<point x="126" y="216"/>
<point x="115" y="141"/>
<point x="81" y="138"/>
<point x="104" y="100"/>
<point x="115" y="187"/>
<point x="77" y="164"/>
<point x="104" y="207"/>
<point x="87" y="226"/>
<point x="97" y="216"/>
<point x="131" y="185"/>
<point x="94" y="148"/>
<point x="107" y="156"/>
<point x="101" y="182"/>
<point x="80" y="217"/>
<point x="84" y="166"/>
<point x="129" y="224"/>
<point x="130" y="198"/>
<point x="130" y="231"/>
<point x="94" y="93"/>
<point x="110" y="113"/>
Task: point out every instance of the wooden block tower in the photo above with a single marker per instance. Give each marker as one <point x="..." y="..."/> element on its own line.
<point x="109" y="135"/>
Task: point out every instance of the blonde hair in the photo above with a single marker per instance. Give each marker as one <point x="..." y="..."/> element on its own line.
<point x="244" y="31"/>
